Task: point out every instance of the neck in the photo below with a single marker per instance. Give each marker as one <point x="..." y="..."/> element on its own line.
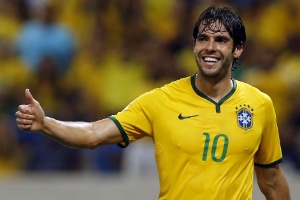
<point x="214" y="89"/>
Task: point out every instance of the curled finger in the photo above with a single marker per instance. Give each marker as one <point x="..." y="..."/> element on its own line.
<point x="25" y="109"/>
<point x="24" y="127"/>
<point x="22" y="121"/>
<point x="22" y="115"/>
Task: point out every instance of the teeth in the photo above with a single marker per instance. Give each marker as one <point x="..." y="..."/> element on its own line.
<point x="210" y="59"/>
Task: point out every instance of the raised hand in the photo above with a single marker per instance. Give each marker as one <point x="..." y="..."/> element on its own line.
<point x="30" y="117"/>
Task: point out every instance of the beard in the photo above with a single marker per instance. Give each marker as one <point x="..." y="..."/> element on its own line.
<point x="214" y="74"/>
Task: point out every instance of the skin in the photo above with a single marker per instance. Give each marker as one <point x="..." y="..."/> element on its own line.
<point x="213" y="79"/>
<point x="272" y="183"/>
<point x="31" y="117"/>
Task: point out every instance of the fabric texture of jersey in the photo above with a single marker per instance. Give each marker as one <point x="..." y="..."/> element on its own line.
<point x="204" y="150"/>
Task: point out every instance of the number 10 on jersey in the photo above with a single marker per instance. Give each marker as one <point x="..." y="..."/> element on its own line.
<point x="213" y="150"/>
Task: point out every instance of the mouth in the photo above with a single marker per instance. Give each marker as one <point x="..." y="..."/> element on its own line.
<point x="209" y="60"/>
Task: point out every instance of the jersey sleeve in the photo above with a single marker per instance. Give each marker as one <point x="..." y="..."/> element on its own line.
<point x="136" y="120"/>
<point x="269" y="152"/>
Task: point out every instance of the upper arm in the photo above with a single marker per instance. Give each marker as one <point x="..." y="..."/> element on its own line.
<point x="107" y="132"/>
<point x="272" y="183"/>
<point x="269" y="152"/>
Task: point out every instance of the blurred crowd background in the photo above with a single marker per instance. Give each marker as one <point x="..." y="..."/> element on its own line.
<point x="87" y="59"/>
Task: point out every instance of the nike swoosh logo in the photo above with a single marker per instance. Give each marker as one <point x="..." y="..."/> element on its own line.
<point x="186" y="117"/>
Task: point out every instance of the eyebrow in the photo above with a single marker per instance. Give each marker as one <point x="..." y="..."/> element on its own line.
<point x="218" y="36"/>
<point x="206" y="29"/>
<point x="223" y="37"/>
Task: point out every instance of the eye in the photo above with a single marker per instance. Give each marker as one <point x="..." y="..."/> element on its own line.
<point x="201" y="38"/>
<point x="222" y="39"/>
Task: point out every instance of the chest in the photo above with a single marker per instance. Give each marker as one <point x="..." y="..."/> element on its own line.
<point x="210" y="132"/>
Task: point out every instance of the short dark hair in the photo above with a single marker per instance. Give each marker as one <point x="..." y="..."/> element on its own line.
<point x="224" y="15"/>
<point x="231" y="21"/>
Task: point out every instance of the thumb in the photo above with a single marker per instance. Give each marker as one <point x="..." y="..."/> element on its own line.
<point x="29" y="97"/>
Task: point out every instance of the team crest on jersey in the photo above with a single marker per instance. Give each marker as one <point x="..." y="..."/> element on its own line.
<point x="244" y="115"/>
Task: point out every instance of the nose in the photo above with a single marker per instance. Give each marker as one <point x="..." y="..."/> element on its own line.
<point x="211" y="45"/>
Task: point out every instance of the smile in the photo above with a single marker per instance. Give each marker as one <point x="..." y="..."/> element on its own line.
<point x="210" y="59"/>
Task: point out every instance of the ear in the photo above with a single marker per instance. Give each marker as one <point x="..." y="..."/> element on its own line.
<point x="238" y="50"/>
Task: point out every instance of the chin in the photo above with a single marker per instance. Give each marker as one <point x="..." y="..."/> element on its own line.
<point x="210" y="73"/>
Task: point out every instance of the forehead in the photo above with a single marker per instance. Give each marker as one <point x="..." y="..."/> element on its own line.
<point x="213" y="27"/>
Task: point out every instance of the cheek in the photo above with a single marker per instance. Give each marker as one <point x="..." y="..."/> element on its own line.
<point x="197" y="47"/>
<point x="227" y="53"/>
<point x="196" y="53"/>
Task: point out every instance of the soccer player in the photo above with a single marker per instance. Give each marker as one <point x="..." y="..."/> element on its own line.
<point x="210" y="131"/>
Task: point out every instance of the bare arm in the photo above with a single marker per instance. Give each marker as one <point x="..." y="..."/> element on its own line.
<point x="31" y="117"/>
<point x="273" y="183"/>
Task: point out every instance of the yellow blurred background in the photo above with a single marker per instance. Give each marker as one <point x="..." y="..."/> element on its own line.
<point x="87" y="59"/>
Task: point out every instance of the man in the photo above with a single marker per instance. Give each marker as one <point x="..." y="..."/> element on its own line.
<point x="209" y="130"/>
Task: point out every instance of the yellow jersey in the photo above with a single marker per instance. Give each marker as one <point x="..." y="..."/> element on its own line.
<point x="204" y="150"/>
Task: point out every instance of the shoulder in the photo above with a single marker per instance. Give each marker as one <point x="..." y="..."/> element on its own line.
<point x="171" y="88"/>
<point x="250" y="91"/>
<point x="160" y="96"/>
<point x="182" y="85"/>
<point x="255" y="97"/>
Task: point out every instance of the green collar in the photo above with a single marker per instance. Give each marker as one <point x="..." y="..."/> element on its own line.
<point x="218" y="105"/>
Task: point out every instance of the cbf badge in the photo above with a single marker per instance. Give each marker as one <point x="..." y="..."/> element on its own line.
<point x="244" y="117"/>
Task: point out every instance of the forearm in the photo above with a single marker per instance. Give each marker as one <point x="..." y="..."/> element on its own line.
<point x="31" y="117"/>
<point x="278" y="190"/>
<point x="273" y="183"/>
<point x="72" y="134"/>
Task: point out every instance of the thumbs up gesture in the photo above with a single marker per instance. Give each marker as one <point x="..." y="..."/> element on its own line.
<point x="30" y="117"/>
